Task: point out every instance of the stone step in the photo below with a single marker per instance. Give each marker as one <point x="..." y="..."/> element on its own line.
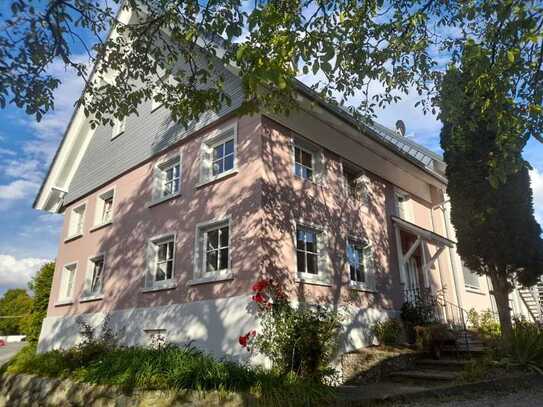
<point x="425" y="375"/>
<point x="450" y="364"/>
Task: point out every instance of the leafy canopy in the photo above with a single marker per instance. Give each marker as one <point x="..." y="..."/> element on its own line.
<point x="41" y="287"/>
<point x="15" y="308"/>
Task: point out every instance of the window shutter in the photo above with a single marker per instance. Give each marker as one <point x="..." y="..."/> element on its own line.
<point x="369" y="268"/>
<point x="324" y="264"/>
<point x="149" y="264"/>
<point x="205" y="164"/>
<point x="157" y="183"/>
<point x="320" y="166"/>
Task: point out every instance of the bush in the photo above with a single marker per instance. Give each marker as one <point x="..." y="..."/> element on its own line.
<point x="525" y="346"/>
<point x="485" y="324"/>
<point x="388" y="332"/>
<point x="300" y="341"/>
<point x="433" y="338"/>
<point x="41" y="286"/>
<point x="420" y="312"/>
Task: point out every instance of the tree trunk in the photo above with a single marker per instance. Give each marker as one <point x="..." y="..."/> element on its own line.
<point x="501" y="289"/>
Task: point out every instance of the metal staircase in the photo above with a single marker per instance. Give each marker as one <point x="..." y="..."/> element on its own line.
<point x="531" y="298"/>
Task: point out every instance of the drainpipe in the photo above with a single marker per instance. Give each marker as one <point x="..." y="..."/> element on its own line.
<point x="452" y="251"/>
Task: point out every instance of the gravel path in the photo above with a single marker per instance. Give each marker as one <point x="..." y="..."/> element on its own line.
<point x="532" y="397"/>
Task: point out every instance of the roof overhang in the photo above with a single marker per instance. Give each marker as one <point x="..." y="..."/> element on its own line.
<point x="424" y="234"/>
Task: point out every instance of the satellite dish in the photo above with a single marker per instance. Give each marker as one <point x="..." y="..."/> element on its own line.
<point x="400" y="127"/>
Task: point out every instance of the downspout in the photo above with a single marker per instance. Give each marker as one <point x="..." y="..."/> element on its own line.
<point x="452" y="251"/>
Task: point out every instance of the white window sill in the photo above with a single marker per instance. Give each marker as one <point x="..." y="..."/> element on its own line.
<point x="64" y="302"/>
<point x="353" y="285"/>
<point x="222" y="175"/>
<point x="73" y="237"/>
<point x="312" y="279"/>
<point x="164" y="287"/>
<point x="100" y="226"/>
<point x="163" y="199"/>
<point x="92" y="298"/>
<point x="474" y="290"/>
<point x="225" y="276"/>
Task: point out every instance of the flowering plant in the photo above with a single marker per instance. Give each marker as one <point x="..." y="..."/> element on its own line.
<point x="300" y="340"/>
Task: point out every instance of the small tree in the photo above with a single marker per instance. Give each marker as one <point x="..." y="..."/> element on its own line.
<point x="15" y="308"/>
<point x="41" y="286"/>
<point x="497" y="233"/>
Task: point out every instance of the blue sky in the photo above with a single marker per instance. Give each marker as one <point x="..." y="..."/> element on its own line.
<point x="29" y="237"/>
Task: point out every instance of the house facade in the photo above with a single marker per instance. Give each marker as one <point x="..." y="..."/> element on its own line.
<point x="166" y="227"/>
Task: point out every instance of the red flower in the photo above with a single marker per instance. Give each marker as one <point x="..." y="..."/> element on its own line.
<point x="253" y="333"/>
<point x="259" y="298"/>
<point x="260" y="285"/>
<point x="243" y="340"/>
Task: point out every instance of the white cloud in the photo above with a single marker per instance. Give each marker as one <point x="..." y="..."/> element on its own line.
<point x="536" y="178"/>
<point x="16" y="273"/>
<point x="5" y="151"/>
<point x="18" y="189"/>
<point x="22" y="169"/>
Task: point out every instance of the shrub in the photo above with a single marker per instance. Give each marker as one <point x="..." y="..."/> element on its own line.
<point x="525" y="345"/>
<point x="388" y="332"/>
<point x="41" y="286"/>
<point x="433" y="338"/>
<point x="485" y="324"/>
<point x="420" y="312"/>
<point x="300" y="341"/>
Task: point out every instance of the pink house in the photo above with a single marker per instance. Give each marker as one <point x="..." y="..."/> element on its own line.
<point x="166" y="228"/>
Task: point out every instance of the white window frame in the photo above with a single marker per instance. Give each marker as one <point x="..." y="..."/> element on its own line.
<point x="404" y="209"/>
<point x="313" y="169"/>
<point x="91" y="263"/>
<point x="367" y="259"/>
<point x="65" y="297"/>
<point x="202" y="276"/>
<point x="159" y="174"/>
<point x="152" y="262"/>
<point x="72" y="234"/>
<point x="324" y="268"/>
<point x="212" y="140"/>
<point x="119" y="127"/>
<point x="318" y="159"/>
<point x="467" y="284"/>
<point x="100" y="206"/>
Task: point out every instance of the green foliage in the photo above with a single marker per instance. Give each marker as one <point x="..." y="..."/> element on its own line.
<point x="432" y="338"/>
<point x="15" y="305"/>
<point x="498" y="235"/>
<point x="41" y="287"/>
<point x="485" y="324"/>
<point x="524" y="347"/>
<point x="301" y="340"/>
<point x="168" y="368"/>
<point x="388" y="332"/>
<point x="476" y="369"/>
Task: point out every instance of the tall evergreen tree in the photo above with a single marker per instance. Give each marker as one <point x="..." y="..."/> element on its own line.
<point x="41" y="287"/>
<point x="497" y="233"/>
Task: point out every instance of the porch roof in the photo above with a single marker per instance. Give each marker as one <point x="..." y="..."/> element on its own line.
<point x="425" y="234"/>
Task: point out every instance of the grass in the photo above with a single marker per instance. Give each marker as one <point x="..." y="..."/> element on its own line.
<point x="171" y="368"/>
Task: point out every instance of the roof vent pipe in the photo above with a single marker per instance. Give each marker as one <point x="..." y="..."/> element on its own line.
<point x="400" y="128"/>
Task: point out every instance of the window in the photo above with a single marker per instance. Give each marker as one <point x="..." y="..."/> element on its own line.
<point x="213" y="246"/>
<point x="167" y="181"/>
<point x="67" y="283"/>
<point x="403" y="206"/>
<point x="303" y="163"/>
<point x="359" y="260"/>
<point x="118" y="127"/>
<point x="104" y="208"/>
<point x="307" y="250"/>
<point x="471" y="279"/>
<point x="162" y="262"/>
<point x="95" y="277"/>
<point x="77" y="220"/>
<point x="216" y="247"/>
<point x="223" y="157"/>
<point x="218" y="155"/>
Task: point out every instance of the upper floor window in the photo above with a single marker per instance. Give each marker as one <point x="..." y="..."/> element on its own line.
<point x="77" y="221"/>
<point x="161" y="261"/>
<point x="104" y="208"/>
<point x="213" y="246"/>
<point x="303" y="163"/>
<point x="359" y="260"/>
<point x="95" y="277"/>
<point x="218" y="154"/>
<point x="471" y="279"/>
<point x="403" y="206"/>
<point x="167" y="182"/>
<point x="67" y="283"/>
<point x="119" y="127"/>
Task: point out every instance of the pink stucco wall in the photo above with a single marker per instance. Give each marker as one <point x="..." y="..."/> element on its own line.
<point x="124" y="241"/>
<point x="264" y="201"/>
